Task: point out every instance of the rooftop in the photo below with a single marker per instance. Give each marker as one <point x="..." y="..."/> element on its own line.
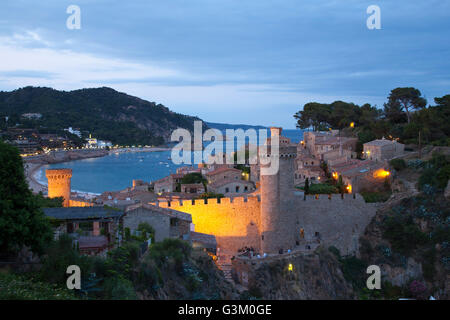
<point x="82" y="213"/>
<point x="221" y="170"/>
<point x="204" y="238"/>
<point x="165" y="211"/>
<point x="380" y="142"/>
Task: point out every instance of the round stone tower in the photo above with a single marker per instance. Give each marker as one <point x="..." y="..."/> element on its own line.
<point x="59" y="184"/>
<point x="278" y="212"/>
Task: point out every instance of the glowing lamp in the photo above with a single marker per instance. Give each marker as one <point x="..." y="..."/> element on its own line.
<point x="290" y="267"/>
<point x="349" y="188"/>
<point x="381" y="173"/>
<point x="352" y="124"/>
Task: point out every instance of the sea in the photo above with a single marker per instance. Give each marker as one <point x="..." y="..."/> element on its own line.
<point x="117" y="170"/>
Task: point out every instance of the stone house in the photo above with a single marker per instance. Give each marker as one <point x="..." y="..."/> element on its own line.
<point x="223" y="173"/>
<point x="361" y="175"/>
<point x="166" y="222"/>
<point x="197" y="188"/>
<point x="94" y="228"/>
<point x="168" y="184"/>
<point x="382" y="149"/>
<point x="230" y="185"/>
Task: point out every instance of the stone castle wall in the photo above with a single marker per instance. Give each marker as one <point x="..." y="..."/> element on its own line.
<point x="234" y="221"/>
<point x="334" y="221"/>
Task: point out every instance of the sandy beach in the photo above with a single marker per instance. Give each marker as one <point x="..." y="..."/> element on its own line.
<point x="33" y="164"/>
<point x="30" y="171"/>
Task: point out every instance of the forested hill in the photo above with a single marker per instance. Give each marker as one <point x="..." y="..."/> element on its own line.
<point x="104" y="112"/>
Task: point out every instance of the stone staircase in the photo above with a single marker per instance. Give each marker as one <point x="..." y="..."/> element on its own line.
<point x="226" y="269"/>
<point x="224" y="264"/>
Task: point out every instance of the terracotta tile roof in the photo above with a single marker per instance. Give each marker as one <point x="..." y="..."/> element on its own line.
<point x="224" y="182"/>
<point x="221" y="170"/>
<point x="86" y="242"/>
<point x="204" y="238"/>
<point x="380" y="142"/>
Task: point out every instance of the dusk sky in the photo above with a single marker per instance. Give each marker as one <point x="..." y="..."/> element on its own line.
<point x="233" y="61"/>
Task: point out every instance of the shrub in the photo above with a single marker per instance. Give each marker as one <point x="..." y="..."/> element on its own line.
<point x="371" y="197"/>
<point x="403" y="234"/>
<point x="16" y="287"/>
<point x="170" y="249"/>
<point x="417" y="289"/>
<point x="429" y="257"/>
<point x="58" y="256"/>
<point x="398" y="164"/>
<point x="322" y="188"/>
<point x="354" y="271"/>
<point x="119" y="288"/>
<point x="335" y="251"/>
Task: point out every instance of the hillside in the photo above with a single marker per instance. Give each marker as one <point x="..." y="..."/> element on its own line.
<point x="104" y="112"/>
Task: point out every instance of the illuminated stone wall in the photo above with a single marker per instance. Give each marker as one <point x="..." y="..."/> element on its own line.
<point x="78" y="203"/>
<point x="234" y="221"/>
<point x="59" y="184"/>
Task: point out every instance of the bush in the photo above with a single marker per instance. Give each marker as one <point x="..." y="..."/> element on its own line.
<point x="58" y="256"/>
<point x="322" y="188"/>
<point x="119" y="288"/>
<point x="335" y="251"/>
<point x="149" y="276"/>
<point x="403" y="234"/>
<point x="170" y="249"/>
<point x="398" y="164"/>
<point x="354" y="271"/>
<point x="429" y="257"/>
<point x="371" y="197"/>
<point x="16" y="287"/>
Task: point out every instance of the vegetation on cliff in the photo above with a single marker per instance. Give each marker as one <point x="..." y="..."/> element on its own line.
<point x="411" y="237"/>
<point x="104" y="112"/>
<point x="404" y="115"/>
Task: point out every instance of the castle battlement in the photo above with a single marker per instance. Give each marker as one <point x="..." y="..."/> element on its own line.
<point x="55" y="174"/>
<point x="59" y="184"/>
<point x="356" y="197"/>
<point x="251" y="200"/>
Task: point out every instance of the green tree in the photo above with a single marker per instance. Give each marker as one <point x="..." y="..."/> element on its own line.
<point x="306" y="186"/>
<point x="21" y="220"/>
<point x="404" y="100"/>
<point x="315" y="115"/>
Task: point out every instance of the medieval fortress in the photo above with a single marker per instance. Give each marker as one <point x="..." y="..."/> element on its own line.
<point x="264" y="211"/>
<point x="277" y="217"/>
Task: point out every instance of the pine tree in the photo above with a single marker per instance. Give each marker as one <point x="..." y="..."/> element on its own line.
<point x="22" y="222"/>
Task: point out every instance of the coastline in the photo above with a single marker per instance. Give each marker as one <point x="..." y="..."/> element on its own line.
<point x="34" y="163"/>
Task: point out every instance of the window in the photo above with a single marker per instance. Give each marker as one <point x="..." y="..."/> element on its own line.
<point x="237" y="189"/>
<point x="173" y="222"/>
<point x="245" y="188"/>
<point x="227" y="190"/>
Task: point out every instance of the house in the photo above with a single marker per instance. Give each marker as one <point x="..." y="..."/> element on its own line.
<point x="223" y="173"/>
<point x="361" y="175"/>
<point x="166" y="222"/>
<point x="94" y="228"/>
<point x="231" y="185"/>
<point x="168" y="184"/>
<point x="197" y="188"/>
<point x="382" y="149"/>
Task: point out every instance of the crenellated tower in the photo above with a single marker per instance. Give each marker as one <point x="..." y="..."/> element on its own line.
<point x="278" y="214"/>
<point x="59" y="184"/>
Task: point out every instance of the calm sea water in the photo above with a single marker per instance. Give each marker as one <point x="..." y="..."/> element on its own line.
<point x="116" y="171"/>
